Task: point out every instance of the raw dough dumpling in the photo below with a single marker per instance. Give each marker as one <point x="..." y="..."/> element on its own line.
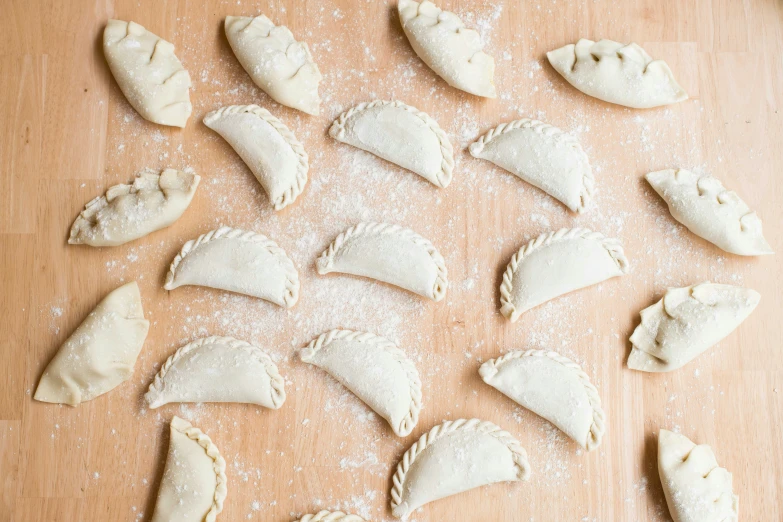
<point x="617" y="73"/>
<point x="331" y="516"/>
<point x="271" y="151"/>
<point x="706" y="208"/>
<point x="375" y="370"/>
<point x="193" y="487"/>
<point x="218" y="369"/>
<point x="148" y="73"/>
<point x="455" y="457"/>
<point x="101" y="354"/>
<point x="556" y="263"/>
<point x="401" y="134"/>
<point x="544" y="156"/>
<point x="687" y="322"/>
<point x="696" y="489"/>
<point x="128" y="212"/>
<point x="388" y="253"/>
<point x="236" y="261"/>
<point x="450" y="49"/>
<point x="553" y="387"/>
<point x="281" y="66"/>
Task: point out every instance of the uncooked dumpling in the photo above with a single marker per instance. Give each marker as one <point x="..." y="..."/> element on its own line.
<point x="331" y="516"/>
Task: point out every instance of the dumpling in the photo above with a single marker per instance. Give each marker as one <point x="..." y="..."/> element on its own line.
<point x="193" y="487"/>
<point x="400" y="134"/>
<point x="271" y="151"/>
<point x="331" y="516"/>
<point x="556" y="263"/>
<point x="617" y="73"/>
<point x="236" y="261"/>
<point x="455" y="457"/>
<point x="127" y="212"/>
<point x="449" y="48"/>
<point x="553" y="387"/>
<point x="542" y="155"/>
<point x="696" y="489"/>
<point x="218" y="369"/>
<point x="389" y="253"/>
<point x="281" y="66"/>
<point x="101" y="354"/>
<point x="375" y="370"/>
<point x="148" y="72"/>
<point x="706" y="208"/>
<point x="687" y="322"/>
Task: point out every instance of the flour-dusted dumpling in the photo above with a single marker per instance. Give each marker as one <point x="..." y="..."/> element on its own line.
<point x="706" y="208"/>
<point x="556" y="263"/>
<point x="281" y="66"/>
<point x="449" y="48"/>
<point x="101" y="354"/>
<point x="128" y="212"/>
<point x="617" y="73"/>
<point x="696" y="489"/>
<point x="388" y="253"/>
<point x="553" y="387"/>
<point x="193" y="487"/>
<point x="542" y="155"/>
<point x="687" y="322"/>
<point x="455" y="457"/>
<point x="375" y="370"/>
<point x="267" y="147"/>
<point x="218" y="369"/>
<point x="331" y="516"/>
<point x="401" y="134"/>
<point x="148" y="72"/>
<point x="237" y="261"/>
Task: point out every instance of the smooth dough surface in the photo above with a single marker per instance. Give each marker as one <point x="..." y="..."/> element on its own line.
<point x="148" y="72"/>
<point x="131" y="211"/>
<point x="388" y="253"/>
<point x="696" y="488"/>
<point x="331" y="516"/>
<point x="542" y="155"/>
<point x="617" y="73"/>
<point x="687" y="322"/>
<point x="193" y="487"/>
<point x="450" y="49"/>
<point x="400" y="134"/>
<point x="218" y="369"/>
<point x="101" y="354"/>
<point x="375" y="370"/>
<point x="237" y="261"/>
<point x="281" y="66"/>
<point x="706" y="208"/>
<point x="553" y="387"/>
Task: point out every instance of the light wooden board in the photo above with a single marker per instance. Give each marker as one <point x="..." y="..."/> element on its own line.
<point x="67" y="134"/>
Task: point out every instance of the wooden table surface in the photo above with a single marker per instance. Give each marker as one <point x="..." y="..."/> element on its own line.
<point x="67" y="134"/>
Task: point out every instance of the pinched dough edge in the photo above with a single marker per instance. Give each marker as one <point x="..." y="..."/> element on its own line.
<point x="331" y="516"/>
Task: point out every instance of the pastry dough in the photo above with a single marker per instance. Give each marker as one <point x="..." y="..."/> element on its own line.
<point x="696" y="489"/>
<point x="455" y="457"/>
<point x="617" y="73"/>
<point x="101" y="354"/>
<point x="701" y="203"/>
<point x="193" y="487"/>
<point x="542" y="155"/>
<point x="218" y="369"/>
<point x="388" y="253"/>
<point x="449" y="48"/>
<point x="556" y="263"/>
<point x="687" y="322"/>
<point x="375" y="370"/>
<point x="236" y="261"/>
<point x="148" y="73"/>
<point x="401" y="134"/>
<point x="331" y="516"/>
<point x="128" y="212"/>
<point x="271" y="151"/>
<point x="553" y="387"/>
<point x="281" y="66"/>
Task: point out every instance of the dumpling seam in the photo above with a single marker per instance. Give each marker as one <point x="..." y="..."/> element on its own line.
<point x="331" y="516"/>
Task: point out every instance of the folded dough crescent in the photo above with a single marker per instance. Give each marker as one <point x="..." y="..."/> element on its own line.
<point x="101" y="354"/>
<point x="331" y="516"/>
